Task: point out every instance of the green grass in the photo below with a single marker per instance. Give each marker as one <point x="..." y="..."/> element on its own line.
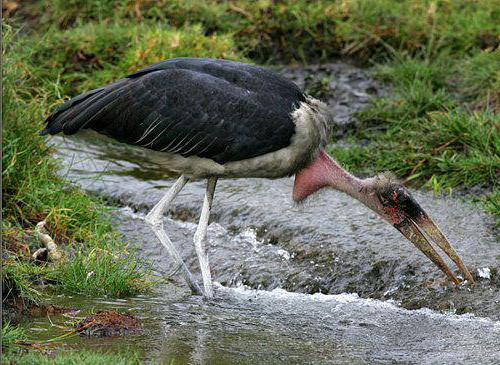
<point x="11" y="334"/>
<point x="304" y="30"/>
<point x="18" y="280"/>
<point x="478" y="79"/>
<point x="429" y="131"/>
<point x="491" y="202"/>
<point x="82" y="357"/>
<point x="32" y="192"/>
<point x="104" y="275"/>
<point x="94" y="54"/>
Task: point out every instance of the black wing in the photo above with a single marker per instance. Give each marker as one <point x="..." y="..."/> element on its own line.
<point x="223" y="110"/>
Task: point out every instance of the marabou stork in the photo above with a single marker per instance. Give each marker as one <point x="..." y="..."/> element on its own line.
<point x="212" y="119"/>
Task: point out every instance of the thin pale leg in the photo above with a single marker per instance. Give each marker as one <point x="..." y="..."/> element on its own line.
<point x="200" y="237"/>
<point x="154" y="220"/>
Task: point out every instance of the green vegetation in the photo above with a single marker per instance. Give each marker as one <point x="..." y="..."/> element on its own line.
<point x="91" y="55"/>
<point x="11" y="334"/>
<point x="84" y="357"/>
<point x="32" y="192"/>
<point x="438" y="128"/>
<point x="426" y="133"/>
<point x="303" y="30"/>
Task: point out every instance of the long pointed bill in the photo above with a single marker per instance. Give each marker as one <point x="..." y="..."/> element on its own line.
<point x="433" y="231"/>
<point x="414" y="223"/>
<point x="412" y="230"/>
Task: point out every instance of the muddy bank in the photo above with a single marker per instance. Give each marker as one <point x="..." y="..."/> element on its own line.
<point x="345" y="88"/>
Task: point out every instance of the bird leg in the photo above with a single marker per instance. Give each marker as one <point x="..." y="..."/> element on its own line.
<point x="154" y="220"/>
<point x="200" y="237"/>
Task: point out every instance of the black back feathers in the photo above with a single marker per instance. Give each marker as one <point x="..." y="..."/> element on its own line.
<point x="218" y="109"/>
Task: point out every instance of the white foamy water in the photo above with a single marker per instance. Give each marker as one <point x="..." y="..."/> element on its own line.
<point x="351" y="299"/>
<point x="484" y="273"/>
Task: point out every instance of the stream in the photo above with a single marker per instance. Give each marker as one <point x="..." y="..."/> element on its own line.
<point x="323" y="282"/>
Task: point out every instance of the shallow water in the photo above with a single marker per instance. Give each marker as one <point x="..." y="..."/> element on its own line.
<point x="331" y="244"/>
<point x="243" y="326"/>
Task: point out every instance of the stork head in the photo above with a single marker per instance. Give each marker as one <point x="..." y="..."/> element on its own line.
<point x="387" y="197"/>
<point x="393" y="201"/>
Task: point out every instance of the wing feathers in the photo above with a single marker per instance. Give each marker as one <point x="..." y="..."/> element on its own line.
<point x="180" y="146"/>
<point x="150" y="129"/>
<point x="216" y="109"/>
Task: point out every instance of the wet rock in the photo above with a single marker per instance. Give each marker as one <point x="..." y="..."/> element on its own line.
<point x="345" y="88"/>
<point x="108" y="323"/>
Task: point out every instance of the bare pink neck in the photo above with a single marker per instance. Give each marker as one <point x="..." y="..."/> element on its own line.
<point x="325" y="171"/>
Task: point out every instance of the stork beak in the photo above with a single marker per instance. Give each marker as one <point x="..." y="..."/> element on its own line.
<point x="408" y="217"/>
<point x="413" y="225"/>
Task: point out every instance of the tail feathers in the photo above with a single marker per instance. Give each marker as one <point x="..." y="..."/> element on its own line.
<point x="58" y="121"/>
<point x="82" y="110"/>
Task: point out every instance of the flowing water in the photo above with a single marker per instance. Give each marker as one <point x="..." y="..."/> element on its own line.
<point x="244" y="326"/>
<point x="324" y="282"/>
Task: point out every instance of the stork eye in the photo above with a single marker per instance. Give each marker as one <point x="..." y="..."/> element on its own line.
<point x="400" y="199"/>
<point x="395" y="197"/>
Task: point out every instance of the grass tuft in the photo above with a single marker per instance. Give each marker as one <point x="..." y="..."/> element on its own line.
<point x="11" y="334"/>
<point x="104" y="273"/>
<point x="478" y="79"/>
<point x="32" y="191"/>
<point x="82" y="357"/>
<point x="425" y="133"/>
